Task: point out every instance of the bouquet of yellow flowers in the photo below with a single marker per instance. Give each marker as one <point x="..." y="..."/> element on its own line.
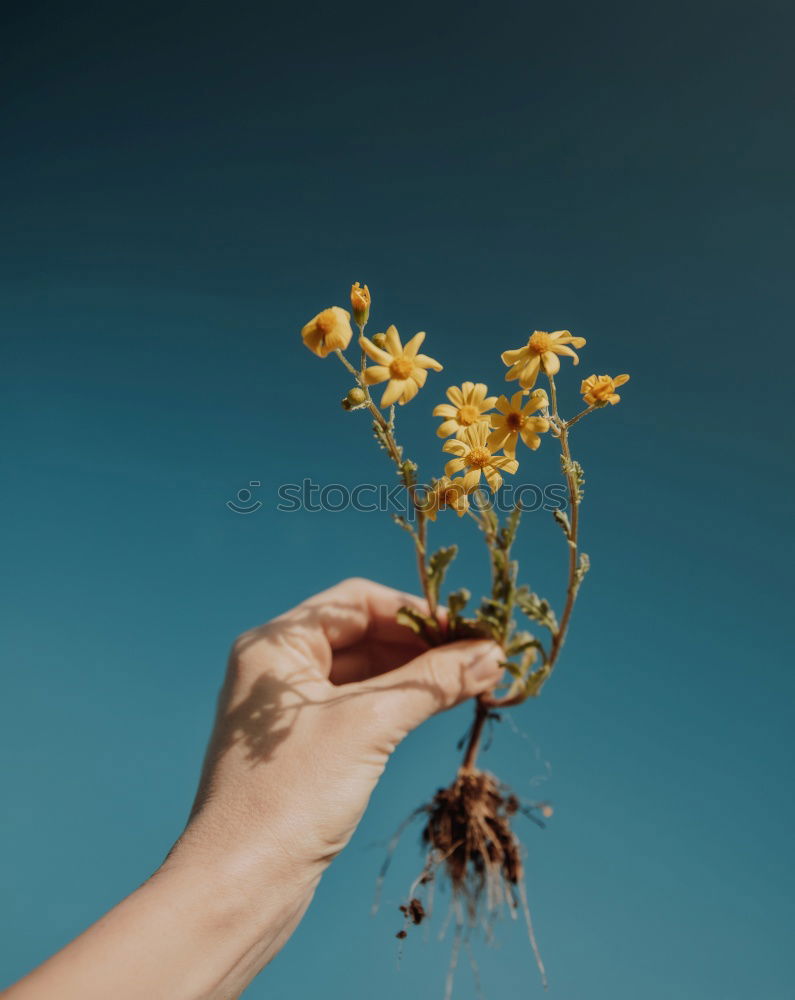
<point x="467" y="827"/>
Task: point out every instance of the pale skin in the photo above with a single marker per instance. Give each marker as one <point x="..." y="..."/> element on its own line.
<point x="313" y="704"/>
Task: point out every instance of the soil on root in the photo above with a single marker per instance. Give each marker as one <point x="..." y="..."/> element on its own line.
<point x="470" y="840"/>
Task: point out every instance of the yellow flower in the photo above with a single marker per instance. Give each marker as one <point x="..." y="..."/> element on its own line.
<point x="329" y="331"/>
<point x="514" y="420"/>
<point x="598" y="390"/>
<point x="540" y="354"/>
<point x="474" y="454"/>
<point x="402" y="366"/>
<point x="360" y="303"/>
<point x="446" y="493"/>
<point x="469" y="405"/>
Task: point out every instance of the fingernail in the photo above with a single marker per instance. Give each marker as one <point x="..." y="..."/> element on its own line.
<point x="486" y="662"/>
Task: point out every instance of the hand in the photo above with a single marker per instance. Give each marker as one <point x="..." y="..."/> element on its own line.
<point x="312" y="706"/>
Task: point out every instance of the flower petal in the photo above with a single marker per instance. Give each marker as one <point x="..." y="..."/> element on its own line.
<point x="411" y="348"/>
<point x="529" y="372"/>
<point x="511" y="357"/>
<point x="456" y="447"/>
<point x="409" y="392"/>
<point x="550" y="363"/>
<point x="445" y="410"/>
<point x="447" y="428"/>
<point x="375" y="353"/>
<point x="419" y="375"/>
<point x="455" y="396"/>
<point x="393" y="344"/>
<point x="393" y="391"/>
<point x="471" y="478"/>
<point x="620" y="380"/>
<point x="375" y="374"/>
<point x="505" y="463"/>
<point x="454" y="465"/>
<point x="423" y="361"/>
<point x="493" y="478"/>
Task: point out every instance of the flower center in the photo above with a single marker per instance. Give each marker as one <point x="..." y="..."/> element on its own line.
<point x="449" y="497"/>
<point x="468" y="415"/>
<point x="401" y="368"/>
<point x="514" y="420"/>
<point x="540" y="342"/>
<point x="478" y="458"/>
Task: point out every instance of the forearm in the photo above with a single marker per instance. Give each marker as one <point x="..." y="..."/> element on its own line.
<point x="196" y="929"/>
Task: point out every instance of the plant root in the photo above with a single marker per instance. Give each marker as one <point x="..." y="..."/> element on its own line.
<point x="470" y="841"/>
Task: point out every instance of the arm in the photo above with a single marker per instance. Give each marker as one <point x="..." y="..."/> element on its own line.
<point x="312" y="706"/>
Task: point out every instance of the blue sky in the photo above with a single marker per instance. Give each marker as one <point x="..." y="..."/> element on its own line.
<point x="183" y="187"/>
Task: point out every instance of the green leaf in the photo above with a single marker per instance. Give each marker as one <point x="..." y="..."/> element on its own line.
<point x="522" y="641"/>
<point x="575" y="471"/>
<point x="408" y="473"/>
<point x="535" y="681"/>
<point x="437" y="567"/>
<point x="507" y="534"/>
<point x="457" y="601"/>
<point x="563" y="520"/>
<point x="536" y="608"/>
<point x="583" y="566"/>
<point x="419" y="623"/>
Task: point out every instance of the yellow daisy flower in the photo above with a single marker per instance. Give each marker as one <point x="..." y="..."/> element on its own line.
<point x="329" y="331"/>
<point x="540" y="354"/>
<point x="405" y="370"/>
<point x="474" y="455"/>
<point x="469" y="405"/>
<point x="598" y="390"/>
<point x="446" y="494"/>
<point x="514" y="420"/>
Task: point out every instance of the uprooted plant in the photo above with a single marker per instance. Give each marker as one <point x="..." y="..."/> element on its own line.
<point x="467" y="826"/>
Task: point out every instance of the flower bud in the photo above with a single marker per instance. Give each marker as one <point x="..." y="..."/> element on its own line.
<point x="379" y="339"/>
<point x="360" y="303"/>
<point x="356" y="396"/>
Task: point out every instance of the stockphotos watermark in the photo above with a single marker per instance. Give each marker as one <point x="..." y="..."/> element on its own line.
<point x="369" y="497"/>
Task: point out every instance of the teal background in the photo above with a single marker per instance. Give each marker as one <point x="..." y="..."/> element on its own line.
<point x="185" y="184"/>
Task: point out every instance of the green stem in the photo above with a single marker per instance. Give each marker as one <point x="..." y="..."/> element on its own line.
<point x="395" y="453"/>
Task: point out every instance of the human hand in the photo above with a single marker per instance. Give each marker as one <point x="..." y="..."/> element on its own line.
<point x="313" y="705"/>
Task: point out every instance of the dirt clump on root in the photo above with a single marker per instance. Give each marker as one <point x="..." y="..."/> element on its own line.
<point x="469" y="832"/>
<point x="469" y="839"/>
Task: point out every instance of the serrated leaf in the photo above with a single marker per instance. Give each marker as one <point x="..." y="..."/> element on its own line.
<point x="437" y="567"/>
<point x="536" y="608"/>
<point x="583" y="566"/>
<point x="575" y="470"/>
<point x="507" y="534"/>
<point x="408" y="473"/>
<point x="419" y="623"/>
<point x="522" y="641"/>
<point x="457" y="601"/>
<point x="535" y="681"/>
<point x="563" y="520"/>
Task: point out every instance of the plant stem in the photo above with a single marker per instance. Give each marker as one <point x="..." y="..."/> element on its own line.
<point x="572" y="538"/>
<point x="473" y="744"/>
<point x="420" y="538"/>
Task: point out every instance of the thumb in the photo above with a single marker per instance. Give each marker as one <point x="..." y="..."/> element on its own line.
<point x="436" y="680"/>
